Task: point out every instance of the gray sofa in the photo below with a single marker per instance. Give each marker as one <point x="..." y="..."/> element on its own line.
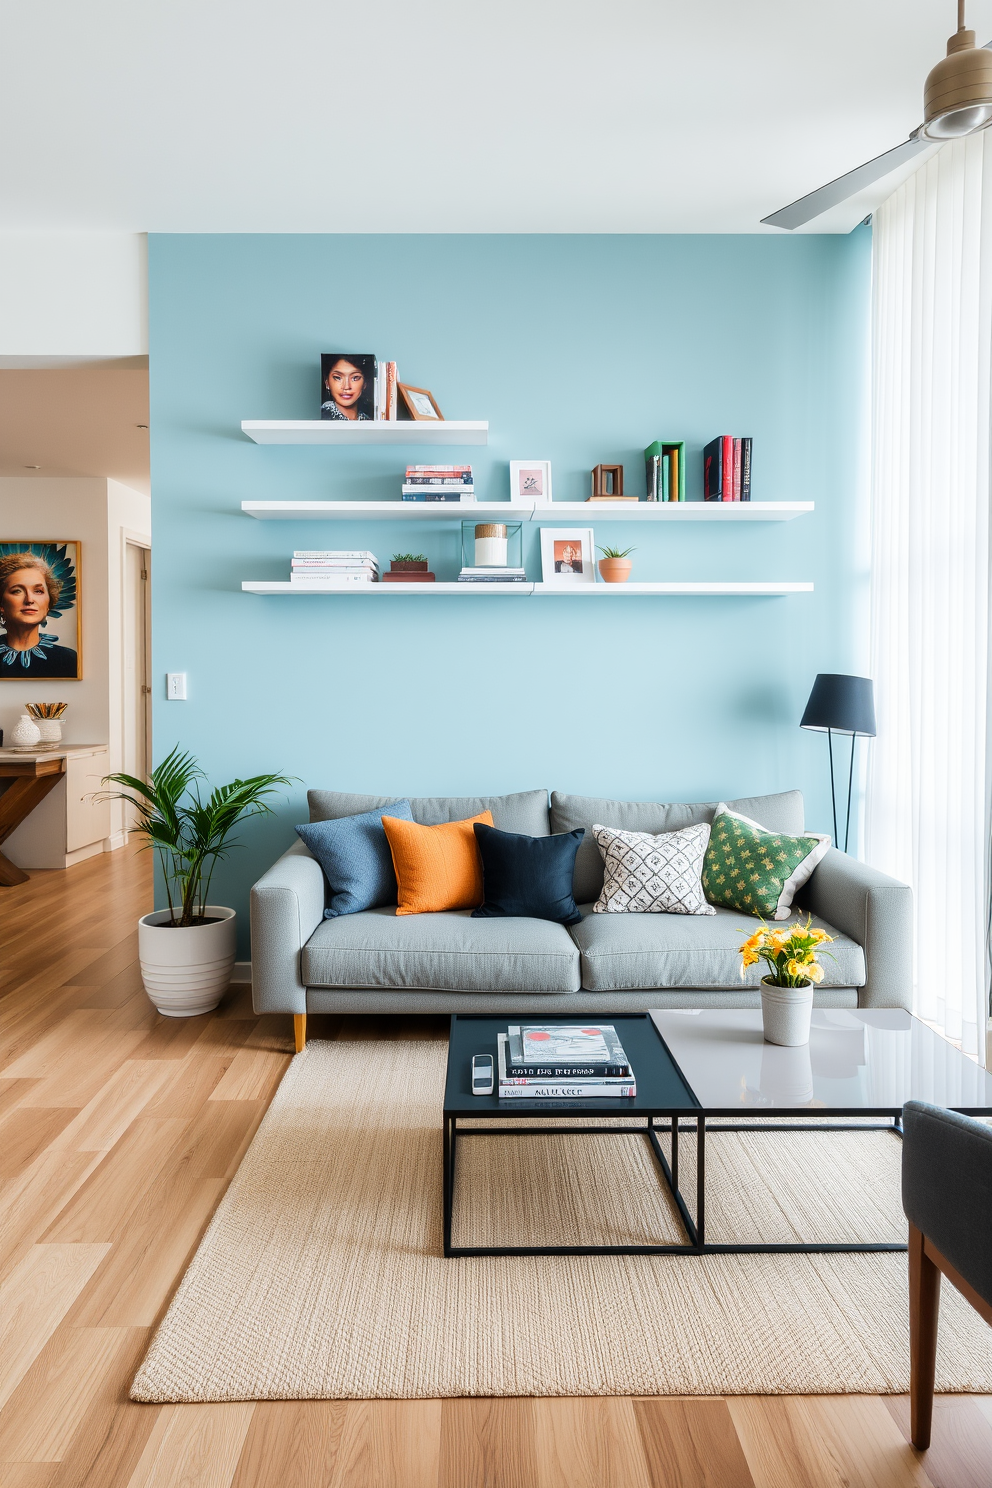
<point x="380" y="962"/>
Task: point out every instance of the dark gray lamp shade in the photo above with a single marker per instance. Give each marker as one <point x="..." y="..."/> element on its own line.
<point x="844" y="704"/>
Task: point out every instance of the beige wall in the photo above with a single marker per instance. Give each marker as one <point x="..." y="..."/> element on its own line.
<point x="102" y="515"/>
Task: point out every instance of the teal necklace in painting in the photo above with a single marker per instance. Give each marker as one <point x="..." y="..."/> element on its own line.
<point x="9" y="657"/>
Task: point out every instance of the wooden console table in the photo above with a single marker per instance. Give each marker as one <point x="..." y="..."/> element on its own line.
<point x="32" y="775"/>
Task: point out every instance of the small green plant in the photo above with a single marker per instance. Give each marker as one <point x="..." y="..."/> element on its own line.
<point x="409" y="557"/>
<point x="616" y="552"/>
<point x="190" y="835"/>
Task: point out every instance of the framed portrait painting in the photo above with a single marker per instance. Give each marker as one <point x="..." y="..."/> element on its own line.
<point x="40" y="629"/>
<point x="530" y="480"/>
<point x="567" y="558"/>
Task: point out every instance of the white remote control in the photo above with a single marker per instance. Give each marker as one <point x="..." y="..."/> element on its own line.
<point x="482" y="1074"/>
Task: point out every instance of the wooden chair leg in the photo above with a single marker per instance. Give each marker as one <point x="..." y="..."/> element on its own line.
<point x="924" y="1305"/>
<point x="300" y="1030"/>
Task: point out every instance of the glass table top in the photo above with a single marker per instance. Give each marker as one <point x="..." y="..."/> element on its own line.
<point x="857" y="1060"/>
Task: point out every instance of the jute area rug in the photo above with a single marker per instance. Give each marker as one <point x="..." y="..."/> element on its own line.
<point x="321" y="1275"/>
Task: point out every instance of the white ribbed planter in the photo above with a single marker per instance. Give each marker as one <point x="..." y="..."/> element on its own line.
<point x="187" y="970"/>
<point x="785" y="1014"/>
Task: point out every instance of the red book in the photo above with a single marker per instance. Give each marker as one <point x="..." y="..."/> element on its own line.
<point x="737" y="470"/>
<point x="728" y="468"/>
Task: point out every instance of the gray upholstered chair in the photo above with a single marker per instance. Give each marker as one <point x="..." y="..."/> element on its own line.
<point x="947" y="1196"/>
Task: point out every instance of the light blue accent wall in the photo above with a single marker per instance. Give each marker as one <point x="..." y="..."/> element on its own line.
<point x="577" y="349"/>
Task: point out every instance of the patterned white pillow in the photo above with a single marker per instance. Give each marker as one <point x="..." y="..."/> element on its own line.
<point x="647" y="874"/>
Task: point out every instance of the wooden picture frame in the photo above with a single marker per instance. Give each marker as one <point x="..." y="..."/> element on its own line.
<point x="419" y="403"/>
<point x="59" y="646"/>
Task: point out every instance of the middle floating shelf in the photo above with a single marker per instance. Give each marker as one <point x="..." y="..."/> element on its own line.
<point x="552" y="511"/>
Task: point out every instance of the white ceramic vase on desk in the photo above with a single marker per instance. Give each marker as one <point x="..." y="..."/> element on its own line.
<point x="25" y="734"/>
<point x="51" y="732"/>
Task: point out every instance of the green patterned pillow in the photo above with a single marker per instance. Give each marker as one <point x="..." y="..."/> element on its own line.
<point x="755" y="871"/>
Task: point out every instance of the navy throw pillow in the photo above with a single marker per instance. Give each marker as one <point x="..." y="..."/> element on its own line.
<point x="529" y="876"/>
<point x="354" y="854"/>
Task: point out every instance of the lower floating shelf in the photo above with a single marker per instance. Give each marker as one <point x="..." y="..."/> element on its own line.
<point x="554" y="591"/>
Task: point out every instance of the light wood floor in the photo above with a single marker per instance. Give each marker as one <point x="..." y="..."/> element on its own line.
<point x="119" y="1131"/>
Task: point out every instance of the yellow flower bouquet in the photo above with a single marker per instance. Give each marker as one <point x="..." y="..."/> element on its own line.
<point x="790" y="954"/>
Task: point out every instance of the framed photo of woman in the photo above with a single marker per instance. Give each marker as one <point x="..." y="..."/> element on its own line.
<point x="347" y="381"/>
<point x="567" y="556"/>
<point x="40" y="627"/>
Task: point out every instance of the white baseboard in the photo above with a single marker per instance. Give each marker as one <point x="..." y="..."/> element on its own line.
<point x="241" y="972"/>
<point x="114" y="841"/>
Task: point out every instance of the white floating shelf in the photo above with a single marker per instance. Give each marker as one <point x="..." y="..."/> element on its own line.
<point x="360" y="432"/>
<point x="386" y="511"/>
<point x="554" y="511"/>
<point x="556" y="591"/>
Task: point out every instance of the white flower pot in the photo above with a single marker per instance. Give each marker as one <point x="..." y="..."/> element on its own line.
<point x="25" y="734"/>
<point x="187" y="969"/>
<point x="785" y="1013"/>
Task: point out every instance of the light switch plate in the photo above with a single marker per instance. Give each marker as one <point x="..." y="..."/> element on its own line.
<point x="175" y="687"/>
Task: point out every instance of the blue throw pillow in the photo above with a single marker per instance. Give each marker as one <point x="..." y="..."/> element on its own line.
<point x="354" y="854"/>
<point x="529" y="876"/>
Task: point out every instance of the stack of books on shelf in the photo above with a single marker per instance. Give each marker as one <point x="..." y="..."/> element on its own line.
<point x="342" y="567"/>
<point x="493" y="576"/>
<point x="555" y="1061"/>
<point x="727" y="469"/>
<point x="439" y="483"/>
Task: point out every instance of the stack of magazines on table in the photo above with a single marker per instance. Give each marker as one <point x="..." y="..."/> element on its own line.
<point x="554" y="1061"/>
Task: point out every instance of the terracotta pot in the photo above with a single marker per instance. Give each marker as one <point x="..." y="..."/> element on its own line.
<point x="615" y="570"/>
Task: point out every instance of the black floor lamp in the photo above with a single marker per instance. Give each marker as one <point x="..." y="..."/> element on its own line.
<point x="841" y="705"/>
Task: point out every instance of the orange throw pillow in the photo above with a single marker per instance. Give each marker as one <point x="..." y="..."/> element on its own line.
<point x="436" y="867"/>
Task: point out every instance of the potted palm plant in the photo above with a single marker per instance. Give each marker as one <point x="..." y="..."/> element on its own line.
<point x="787" y="987"/>
<point x="187" y="950"/>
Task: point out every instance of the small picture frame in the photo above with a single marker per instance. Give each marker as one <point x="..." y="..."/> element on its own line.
<point x="567" y="556"/>
<point x="417" y="403"/>
<point x="530" y="481"/>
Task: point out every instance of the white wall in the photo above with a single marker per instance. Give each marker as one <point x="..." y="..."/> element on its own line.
<point x="101" y="515"/>
<point x="72" y="296"/>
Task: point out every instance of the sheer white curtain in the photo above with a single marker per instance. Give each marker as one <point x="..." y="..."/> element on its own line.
<point x="928" y="791"/>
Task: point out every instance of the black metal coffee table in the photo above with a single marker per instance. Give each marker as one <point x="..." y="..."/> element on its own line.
<point x="694" y="1068"/>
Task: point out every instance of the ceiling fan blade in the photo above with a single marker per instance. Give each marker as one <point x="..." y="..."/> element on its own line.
<point x="808" y="207"/>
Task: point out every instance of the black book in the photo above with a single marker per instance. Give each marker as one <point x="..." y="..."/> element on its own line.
<point x="713" y="470"/>
<point x="745" y="469"/>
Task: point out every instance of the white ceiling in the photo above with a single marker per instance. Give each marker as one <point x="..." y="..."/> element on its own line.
<point x="448" y="116"/>
<point x="80" y="420"/>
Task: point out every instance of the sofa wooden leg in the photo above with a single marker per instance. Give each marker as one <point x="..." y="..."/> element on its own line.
<point x="300" y="1030"/>
<point x="924" y="1304"/>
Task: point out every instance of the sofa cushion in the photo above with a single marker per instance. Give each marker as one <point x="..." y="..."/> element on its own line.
<point x="652" y="873"/>
<point x="779" y="813"/>
<point x="623" y="952"/>
<point x="526" y="811"/>
<point x="525" y="875"/>
<point x="445" y="952"/>
<point x="755" y="871"/>
<point x="355" y="857"/>
<point x="437" y="867"/>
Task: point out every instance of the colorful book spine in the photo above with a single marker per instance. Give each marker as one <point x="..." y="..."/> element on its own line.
<point x="713" y="470"/>
<point x="746" y="469"/>
<point x="727" y="461"/>
<point x="439" y="496"/>
<point x="526" y="1089"/>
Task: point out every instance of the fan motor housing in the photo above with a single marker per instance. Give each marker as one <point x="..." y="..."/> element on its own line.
<point x="962" y="79"/>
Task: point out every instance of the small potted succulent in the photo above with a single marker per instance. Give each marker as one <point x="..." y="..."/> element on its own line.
<point x="186" y="952"/>
<point x="793" y="970"/>
<point x="409" y="568"/>
<point x="615" y="565"/>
